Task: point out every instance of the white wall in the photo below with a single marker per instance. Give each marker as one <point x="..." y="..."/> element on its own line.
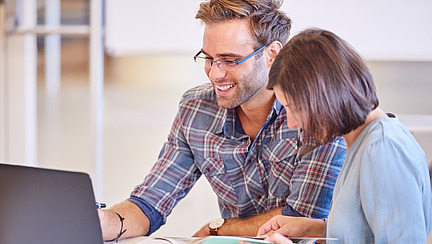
<point x="380" y="30"/>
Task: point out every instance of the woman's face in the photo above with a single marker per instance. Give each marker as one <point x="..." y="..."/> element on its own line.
<point x="293" y="116"/>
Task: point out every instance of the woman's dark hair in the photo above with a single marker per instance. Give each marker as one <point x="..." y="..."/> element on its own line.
<point x="327" y="82"/>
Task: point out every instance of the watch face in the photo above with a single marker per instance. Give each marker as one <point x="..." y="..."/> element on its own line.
<point x="216" y="223"/>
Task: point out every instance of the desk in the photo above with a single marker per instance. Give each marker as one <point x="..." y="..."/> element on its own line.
<point x="211" y="240"/>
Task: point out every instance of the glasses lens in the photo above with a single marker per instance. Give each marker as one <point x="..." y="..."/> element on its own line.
<point x="222" y="64"/>
<point x="201" y="61"/>
<point x="227" y="64"/>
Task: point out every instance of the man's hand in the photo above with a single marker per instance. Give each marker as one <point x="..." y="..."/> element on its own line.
<point x="204" y="231"/>
<point x="293" y="226"/>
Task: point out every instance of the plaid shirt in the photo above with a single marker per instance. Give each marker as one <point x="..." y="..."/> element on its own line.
<point x="248" y="177"/>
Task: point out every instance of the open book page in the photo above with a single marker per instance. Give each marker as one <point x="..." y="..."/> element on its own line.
<point x="310" y="240"/>
<point x="202" y="240"/>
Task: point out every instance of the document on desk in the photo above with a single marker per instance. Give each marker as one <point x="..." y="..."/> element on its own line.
<point x="202" y="240"/>
<point x="310" y="240"/>
<point x="222" y="240"/>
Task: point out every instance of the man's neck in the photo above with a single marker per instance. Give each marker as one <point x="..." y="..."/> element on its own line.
<point x="252" y="114"/>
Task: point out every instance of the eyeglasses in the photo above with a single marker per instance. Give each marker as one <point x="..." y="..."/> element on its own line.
<point x="224" y="64"/>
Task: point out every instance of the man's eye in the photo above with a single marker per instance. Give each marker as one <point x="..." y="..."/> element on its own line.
<point x="229" y="62"/>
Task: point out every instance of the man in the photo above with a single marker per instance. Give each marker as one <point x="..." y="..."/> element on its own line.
<point x="234" y="132"/>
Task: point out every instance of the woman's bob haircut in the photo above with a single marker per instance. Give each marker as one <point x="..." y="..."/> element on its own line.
<point x="327" y="83"/>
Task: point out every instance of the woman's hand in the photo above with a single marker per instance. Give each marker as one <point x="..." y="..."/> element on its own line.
<point x="278" y="239"/>
<point x="293" y="226"/>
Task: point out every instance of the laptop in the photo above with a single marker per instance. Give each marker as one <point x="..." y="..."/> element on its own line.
<point x="42" y="206"/>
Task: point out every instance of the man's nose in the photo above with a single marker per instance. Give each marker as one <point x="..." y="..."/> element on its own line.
<point x="215" y="72"/>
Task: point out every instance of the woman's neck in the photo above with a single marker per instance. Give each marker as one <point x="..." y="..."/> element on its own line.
<point x="373" y="115"/>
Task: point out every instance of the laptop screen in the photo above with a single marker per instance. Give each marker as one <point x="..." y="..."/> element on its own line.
<point x="41" y="206"/>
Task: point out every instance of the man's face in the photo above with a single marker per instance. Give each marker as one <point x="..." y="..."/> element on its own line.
<point x="231" y="40"/>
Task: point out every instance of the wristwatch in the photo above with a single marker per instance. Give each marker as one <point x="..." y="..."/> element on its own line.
<point x="215" y="225"/>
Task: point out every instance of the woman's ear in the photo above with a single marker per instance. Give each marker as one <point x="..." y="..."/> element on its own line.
<point x="273" y="50"/>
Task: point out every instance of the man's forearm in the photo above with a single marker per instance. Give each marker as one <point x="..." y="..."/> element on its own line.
<point x="247" y="226"/>
<point x="135" y="221"/>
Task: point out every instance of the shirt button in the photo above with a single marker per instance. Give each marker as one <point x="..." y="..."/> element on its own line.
<point x="258" y="196"/>
<point x="207" y="170"/>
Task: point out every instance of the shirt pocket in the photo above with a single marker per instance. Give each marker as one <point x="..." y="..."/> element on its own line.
<point x="215" y="172"/>
<point x="279" y="158"/>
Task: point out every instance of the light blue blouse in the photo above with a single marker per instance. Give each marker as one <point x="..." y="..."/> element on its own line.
<point x="383" y="192"/>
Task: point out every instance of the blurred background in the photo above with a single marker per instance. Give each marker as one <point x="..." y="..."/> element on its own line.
<point x="48" y="102"/>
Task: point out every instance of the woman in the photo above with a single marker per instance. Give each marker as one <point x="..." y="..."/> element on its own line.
<point x="383" y="193"/>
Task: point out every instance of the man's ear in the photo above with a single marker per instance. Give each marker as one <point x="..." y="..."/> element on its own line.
<point x="272" y="50"/>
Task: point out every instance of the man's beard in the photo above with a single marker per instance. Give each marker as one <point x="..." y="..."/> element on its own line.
<point x="246" y="87"/>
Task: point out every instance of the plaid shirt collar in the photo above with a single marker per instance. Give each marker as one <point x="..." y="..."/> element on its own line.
<point x="230" y="125"/>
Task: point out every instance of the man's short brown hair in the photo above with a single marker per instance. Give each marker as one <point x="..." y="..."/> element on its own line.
<point x="267" y="22"/>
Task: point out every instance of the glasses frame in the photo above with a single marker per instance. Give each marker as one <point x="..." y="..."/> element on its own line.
<point x="219" y="63"/>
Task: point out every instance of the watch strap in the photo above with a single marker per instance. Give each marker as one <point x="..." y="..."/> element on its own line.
<point x="213" y="232"/>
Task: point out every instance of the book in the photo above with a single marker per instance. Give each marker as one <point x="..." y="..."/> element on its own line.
<point x="310" y="240"/>
<point x="224" y="240"/>
<point x="203" y="240"/>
